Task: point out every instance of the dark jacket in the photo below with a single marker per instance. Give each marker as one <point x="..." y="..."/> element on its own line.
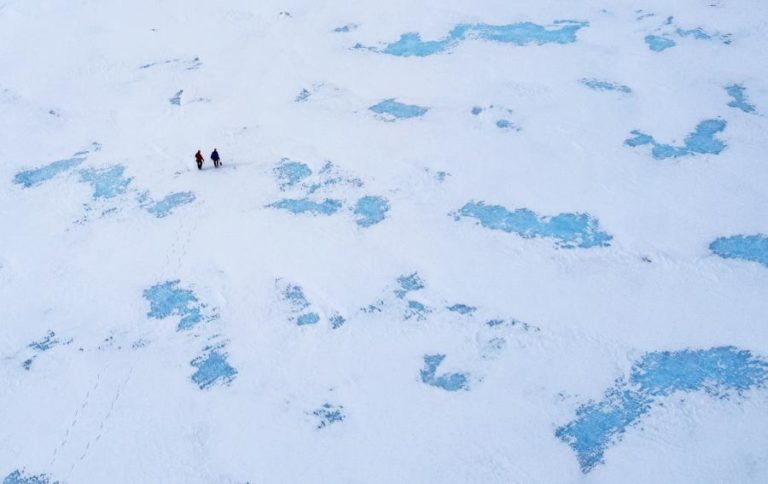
<point x="215" y="155"/>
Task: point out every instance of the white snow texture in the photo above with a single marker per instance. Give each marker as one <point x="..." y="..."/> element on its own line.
<point x="467" y="241"/>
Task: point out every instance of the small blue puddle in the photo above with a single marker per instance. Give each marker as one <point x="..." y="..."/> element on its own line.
<point x="304" y="205"/>
<point x="294" y="295"/>
<point x="106" y="182"/>
<point x="176" y="99"/>
<point x="337" y="321"/>
<point x="167" y="205"/>
<point x="701" y="34"/>
<point x="600" y="85"/>
<point x="212" y="368"/>
<point x="297" y="175"/>
<point x="701" y="141"/>
<point x="658" y="43"/>
<point x="718" y="372"/>
<point x="451" y="382"/>
<point x="20" y="477"/>
<point x="415" y="309"/>
<point x="738" y="94"/>
<point x="570" y="230"/>
<point x="371" y="210"/>
<point x="745" y="247"/>
<point x="393" y="109"/>
<point x="308" y="318"/>
<point x="168" y="299"/>
<point x="49" y="341"/>
<point x="407" y="284"/>
<point x="328" y="414"/>
<point x="36" y="176"/>
<point x="506" y="124"/>
<point x="291" y="173"/>
<point x="524" y="33"/>
<point x="300" y="307"/>
<point x="462" y="309"/>
<point x="476" y="110"/>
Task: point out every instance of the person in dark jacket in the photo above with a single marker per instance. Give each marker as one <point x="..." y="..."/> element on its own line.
<point x="199" y="159"/>
<point x="216" y="159"/>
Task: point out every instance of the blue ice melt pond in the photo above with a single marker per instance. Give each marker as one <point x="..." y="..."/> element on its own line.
<point x="451" y="382"/>
<point x="294" y="295"/>
<point x="462" y="309"/>
<point x="408" y="284"/>
<point x="415" y="309"/>
<point x="328" y="414"/>
<point x="745" y="247"/>
<point x="505" y="124"/>
<point x="524" y="33"/>
<point x="308" y="318"/>
<point x="701" y="34"/>
<point x="304" y="205"/>
<point x="167" y="205"/>
<point x="570" y="230"/>
<point x="337" y="321"/>
<point x="107" y="182"/>
<point x="658" y="43"/>
<point x="719" y="372"/>
<point x="213" y="369"/>
<point x="169" y="299"/>
<point x="49" y="341"/>
<point x="20" y="477"/>
<point x="392" y="109"/>
<point x="370" y="210"/>
<point x="36" y="176"/>
<point x="701" y="141"/>
<point x="738" y="94"/>
<point x="601" y="85"/>
<point x="291" y="173"/>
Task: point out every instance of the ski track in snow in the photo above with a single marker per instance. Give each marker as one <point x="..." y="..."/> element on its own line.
<point x="170" y="325"/>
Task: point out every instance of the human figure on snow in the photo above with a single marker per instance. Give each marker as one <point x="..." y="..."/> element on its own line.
<point x="215" y="157"/>
<point x="199" y="159"/>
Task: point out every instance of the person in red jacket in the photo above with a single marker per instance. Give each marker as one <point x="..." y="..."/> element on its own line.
<point x="199" y="159"/>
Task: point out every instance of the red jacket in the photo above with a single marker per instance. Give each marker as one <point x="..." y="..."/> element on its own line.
<point x="199" y="156"/>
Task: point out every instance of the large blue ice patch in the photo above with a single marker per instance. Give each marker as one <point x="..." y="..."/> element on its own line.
<point x="569" y="230"/>
<point x="719" y="372"/>
<point x="523" y="33"/>
<point x="448" y="381"/>
<point x="746" y="247"/>
<point x="702" y="141"/>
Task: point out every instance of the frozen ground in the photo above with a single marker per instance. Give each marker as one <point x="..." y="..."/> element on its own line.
<point x="478" y="241"/>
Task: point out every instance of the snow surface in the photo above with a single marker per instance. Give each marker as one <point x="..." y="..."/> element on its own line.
<point x="450" y="241"/>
